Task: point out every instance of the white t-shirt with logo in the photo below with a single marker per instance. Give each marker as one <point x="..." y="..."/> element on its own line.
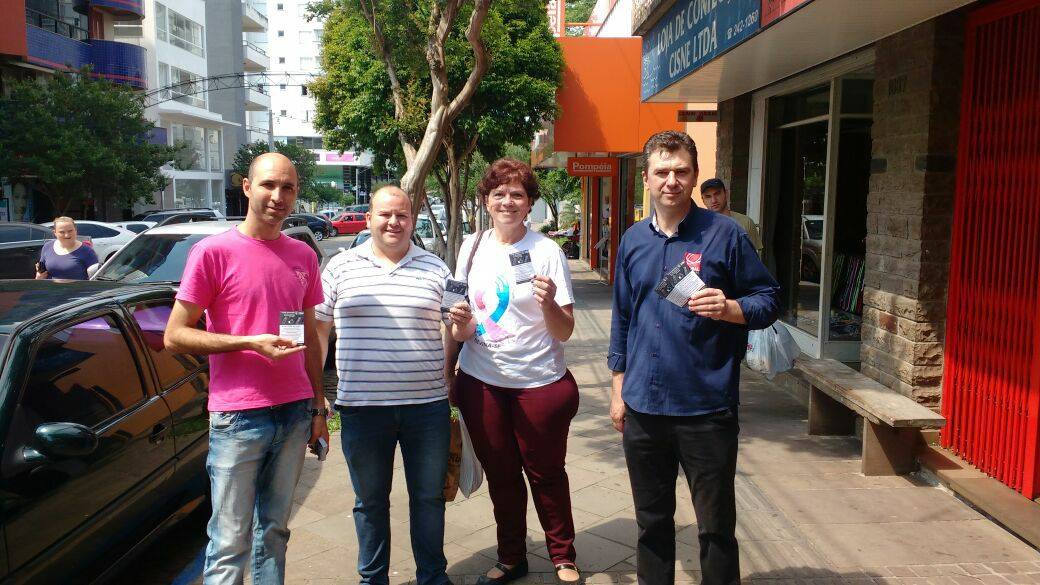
<point x="512" y="347"/>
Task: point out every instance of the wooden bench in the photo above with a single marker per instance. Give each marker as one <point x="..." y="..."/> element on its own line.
<point x="891" y="421"/>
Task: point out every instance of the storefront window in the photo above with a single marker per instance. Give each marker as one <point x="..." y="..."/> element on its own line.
<point x="191" y="193"/>
<point x="603" y="239"/>
<point x="213" y="149"/>
<point x="817" y="173"/>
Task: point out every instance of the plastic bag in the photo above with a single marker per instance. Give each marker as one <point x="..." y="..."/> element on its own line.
<point x="464" y="471"/>
<point x="471" y="474"/>
<point x="771" y="350"/>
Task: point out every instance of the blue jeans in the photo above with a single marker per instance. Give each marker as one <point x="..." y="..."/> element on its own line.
<point x="370" y="435"/>
<point x="254" y="462"/>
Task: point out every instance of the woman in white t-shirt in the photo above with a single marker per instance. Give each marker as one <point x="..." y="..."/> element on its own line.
<point x="513" y="387"/>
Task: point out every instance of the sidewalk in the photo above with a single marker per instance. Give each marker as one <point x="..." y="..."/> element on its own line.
<point x="805" y="514"/>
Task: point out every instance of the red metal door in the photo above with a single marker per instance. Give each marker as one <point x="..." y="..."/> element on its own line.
<point x="991" y="381"/>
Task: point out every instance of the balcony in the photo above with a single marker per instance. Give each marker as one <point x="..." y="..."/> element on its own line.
<point x="256" y="99"/>
<point x="252" y="19"/>
<point x="119" y="62"/>
<point x="256" y="134"/>
<point x="254" y="58"/>
<point x="119" y="9"/>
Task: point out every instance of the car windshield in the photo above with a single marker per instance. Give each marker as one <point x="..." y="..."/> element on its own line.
<point x="151" y="258"/>
<point x="424" y="229"/>
<point x="815" y="228"/>
<point x="360" y="239"/>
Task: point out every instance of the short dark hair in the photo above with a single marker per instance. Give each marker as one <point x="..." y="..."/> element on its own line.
<point x="714" y="183"/>
<point x="671" y="141"/>
<point x="504" y="171"/>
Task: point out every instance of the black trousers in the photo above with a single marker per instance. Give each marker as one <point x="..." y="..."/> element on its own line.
<point x="706" y="448"/>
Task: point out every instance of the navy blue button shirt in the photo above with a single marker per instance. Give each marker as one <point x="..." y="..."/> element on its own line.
<point x="675" y="362"/>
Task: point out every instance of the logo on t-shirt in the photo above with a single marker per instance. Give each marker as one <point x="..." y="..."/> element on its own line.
<point x="302" y="275"/>
<point x="693" y="261"/>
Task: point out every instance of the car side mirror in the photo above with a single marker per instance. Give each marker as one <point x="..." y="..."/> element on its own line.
<point x="56" y="441"/>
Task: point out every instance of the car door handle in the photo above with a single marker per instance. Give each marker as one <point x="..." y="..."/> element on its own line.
<point x="158" y="434"/>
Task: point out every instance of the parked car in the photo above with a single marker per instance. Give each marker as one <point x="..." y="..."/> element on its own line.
<point x="105" y="432"/>
<point x="330" y="213"/>
<point x="187" y="217"/>
<point x="159" y="255"/>
<point x="320" y="225"/>
<point x="351" y="222"/>
<point x="135" y="226"/>
<point x="359" y="208"/>
<point x="812" y="247"/>
<point x="106" y="238"/>
<point x="158" y="215"/>
<point x="424" y="229"/>
<point x="20" y="245"/>
<point x="366" y="234"/>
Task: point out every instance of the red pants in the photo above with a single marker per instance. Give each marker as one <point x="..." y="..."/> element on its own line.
<point x="516" y="430"/>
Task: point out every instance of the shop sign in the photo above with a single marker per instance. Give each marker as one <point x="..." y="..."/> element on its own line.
<point x="591" y="166"/>
<point x="692" y="33"/>
<point x="339" y="157"/>
<point x="774" y="9"/>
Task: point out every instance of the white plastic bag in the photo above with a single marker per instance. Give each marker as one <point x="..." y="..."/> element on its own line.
<point x="471" y="474"/>
<point x="771" y="350"/>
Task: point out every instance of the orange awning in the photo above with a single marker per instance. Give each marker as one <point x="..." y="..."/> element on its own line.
<point x="599" y="100"/>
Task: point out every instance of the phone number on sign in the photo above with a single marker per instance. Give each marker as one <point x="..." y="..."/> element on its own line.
<point x="739" y="27"/>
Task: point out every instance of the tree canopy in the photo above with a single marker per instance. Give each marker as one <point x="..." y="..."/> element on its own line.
<point x="356" y="107"/>
<point x="77" y="137"/>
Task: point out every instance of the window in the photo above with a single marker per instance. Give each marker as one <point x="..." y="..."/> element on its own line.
<point x="817" y="145"/>
<point x="181" y="85"/>
<point x="84" y="374"/>
<point x="194" y="157"/>
<point x="280" y="6"/>
<point x="95" y="231"/>
<point x="213" y="149"/>
<point x="281" y="33"/>
<point x="160" y="22"/>
<point x="281" y="87"/>
<point x="281" y="60"/>
<point x="179" y="31"/>
<point x="282" y="113"/>
<point x="191" y="193"/>
<point x="36" y="233"/>
<point x="306" y="36"/>
<point x="13" y="233"/>
<point x="171" y="367"/>
<point x="306" y="63"/>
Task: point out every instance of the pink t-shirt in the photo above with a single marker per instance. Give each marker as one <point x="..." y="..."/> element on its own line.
<point x="244" y="284"/>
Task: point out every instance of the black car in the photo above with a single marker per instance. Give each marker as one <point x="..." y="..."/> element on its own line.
<point x="104" y="431"/>
<point x="321" y="226"/>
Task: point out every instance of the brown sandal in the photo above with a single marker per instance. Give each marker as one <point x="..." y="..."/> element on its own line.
<point x="571" y="566"/>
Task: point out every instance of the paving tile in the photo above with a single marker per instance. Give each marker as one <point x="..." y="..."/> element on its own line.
<point x="600" y="500"/>
<point x="975" y="569"/>
<point x="859" y="545"/>
<point x="858" y="506"/>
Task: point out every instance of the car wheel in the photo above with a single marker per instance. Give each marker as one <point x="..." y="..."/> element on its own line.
<point x="319" y="235"/>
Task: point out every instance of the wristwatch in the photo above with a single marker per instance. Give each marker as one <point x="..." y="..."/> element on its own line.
<point x="320" y="412"/>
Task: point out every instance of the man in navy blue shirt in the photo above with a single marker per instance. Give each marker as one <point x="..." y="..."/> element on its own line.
<point x="676" y="367"/>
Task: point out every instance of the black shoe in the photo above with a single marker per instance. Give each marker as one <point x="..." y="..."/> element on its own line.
<point x="520" y="570"/>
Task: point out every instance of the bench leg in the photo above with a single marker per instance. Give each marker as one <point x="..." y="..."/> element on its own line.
<point x="827" y="416"/>
<point x="888" y="451"/>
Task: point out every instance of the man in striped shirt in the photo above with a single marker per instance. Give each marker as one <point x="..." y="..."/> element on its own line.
<point x="384" y="298"/>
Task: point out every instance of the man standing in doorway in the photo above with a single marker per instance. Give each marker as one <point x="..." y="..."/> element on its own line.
<point x="265" y="402"/>
<point x="676" y="362"/>
<point x="384" y="298"/>
<point x="716" y="198"/>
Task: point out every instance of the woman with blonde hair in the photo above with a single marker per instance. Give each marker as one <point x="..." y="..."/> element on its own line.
<point x="65" y="256"/>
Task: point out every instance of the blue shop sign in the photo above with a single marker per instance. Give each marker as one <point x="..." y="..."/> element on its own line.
<point x="692" y="33"/>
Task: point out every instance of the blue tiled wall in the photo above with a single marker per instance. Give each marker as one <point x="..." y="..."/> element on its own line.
<point x="111" y="60"/>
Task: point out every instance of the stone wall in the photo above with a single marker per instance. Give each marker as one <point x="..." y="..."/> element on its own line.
<point x="910" y="206"/>
<point x="733" y="149"/>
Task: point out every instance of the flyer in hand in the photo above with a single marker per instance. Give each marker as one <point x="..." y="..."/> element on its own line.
<point x="679" y="285"/>
<point x="454" y="291"/>
<point x="523" y="270"/>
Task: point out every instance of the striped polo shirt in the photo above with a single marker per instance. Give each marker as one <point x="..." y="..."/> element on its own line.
<point x="388" y="327"/>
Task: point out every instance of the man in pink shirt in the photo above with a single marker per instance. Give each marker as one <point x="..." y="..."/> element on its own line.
<point x="265" y="399"/>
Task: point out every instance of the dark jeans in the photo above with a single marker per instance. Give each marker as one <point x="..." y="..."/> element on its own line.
<point x="706" y="448"/>
<point x="370" y="435"/>
<point x="517" y="431"/>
